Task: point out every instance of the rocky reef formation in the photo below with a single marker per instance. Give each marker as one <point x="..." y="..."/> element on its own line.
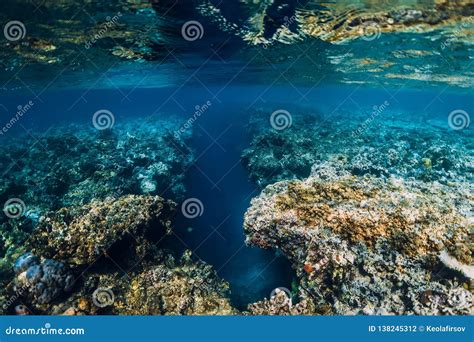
<point x="13" y="234"/>
<point x="184" y="288"/>
<point x="70" y="166"/>
<point x="364" y="143"/>
<point x="281" y="304"/>
<point x="41" y="281"/>
<point x="80" y="235"/>
<point x="80" y="254"/>
<point x="368" y="245"/>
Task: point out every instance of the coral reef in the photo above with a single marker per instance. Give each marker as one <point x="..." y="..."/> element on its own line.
<point x="41" y="281"/>
<point x="157" y="286"/>
<point x="80" y="235"/>
<point x="362" y="244"/>
<point x="72" y="165"/>
<point x="13" y="234"/>
<point x="278" y="155"/>
<point x="186" y="288"/>
<point x="75" y="267"/>
<point x="365" y="144"/>
<point x="80" y="164"/>
<point x="280" y="304"/>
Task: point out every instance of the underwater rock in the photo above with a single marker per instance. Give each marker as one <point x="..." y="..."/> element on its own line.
<point x="184" y="288"/>
<point x="367" y="245"/>
<point x="80" y="235"/>
<point x="365" y="143"/>
<point x="157" y="286"/>
<point x="276" y="155"/>
<point x="41" y="280"/>
<point x="280" y="304"/>
<point x="452" y="263"/>
<point x="79" y="164"/>
<point x="13" y="234"/>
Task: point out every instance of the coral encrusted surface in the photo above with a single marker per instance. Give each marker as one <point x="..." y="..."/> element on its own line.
<point x="368" y="245"/>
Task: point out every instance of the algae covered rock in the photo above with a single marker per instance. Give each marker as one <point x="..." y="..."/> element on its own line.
<point x="281" y="304"/>
<point x="80" y="235"/>
<point x="363" y="141"/>
<point x="41" y="280"/>
<point x="183" y="288"/>
<point x="67" y="274"/>
<point x="13" y="234"/>
<point x="161" y="285"/>
<point x="366" y="244"/>
<point x="73" y="164"/>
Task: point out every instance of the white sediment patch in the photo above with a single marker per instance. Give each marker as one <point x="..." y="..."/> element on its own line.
<point x="452" y="263"/>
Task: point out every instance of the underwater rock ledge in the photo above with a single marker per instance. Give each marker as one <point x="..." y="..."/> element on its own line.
<point x="365" y="245"/>
<point x="78" y="257"/>
<point x="80" y="235"/>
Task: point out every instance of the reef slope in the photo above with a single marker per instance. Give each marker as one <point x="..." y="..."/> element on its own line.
<point x="362" y="244"/>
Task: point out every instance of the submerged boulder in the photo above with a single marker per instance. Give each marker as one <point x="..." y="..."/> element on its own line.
<point x="281" y="304"/>
<point x="160" y="286"/>
<point x="183" y="288"/>
<point x="368" y="245"/>
<point x="41" y="280"/>
<point x="79" y="235"/>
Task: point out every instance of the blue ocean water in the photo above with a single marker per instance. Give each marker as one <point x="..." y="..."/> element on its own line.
<point x="217" y="176"/>
<point x="249" y="60"/>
